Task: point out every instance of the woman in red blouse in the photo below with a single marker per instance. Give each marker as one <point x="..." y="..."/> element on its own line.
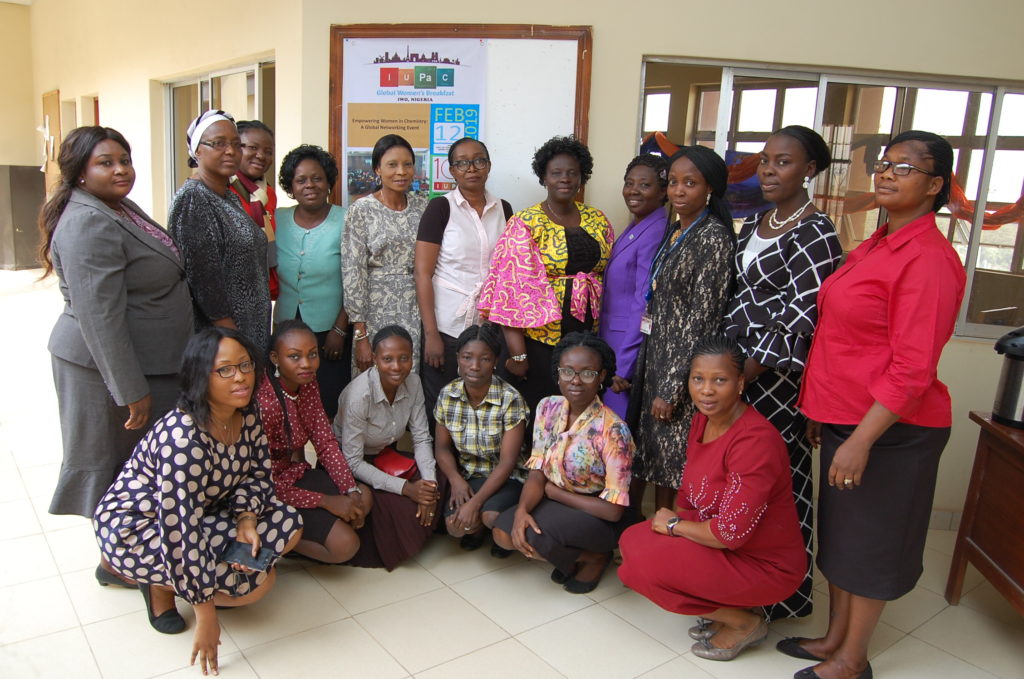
<point x="878" y="410"/>
<point x="332" y="504"/>
<point x="733" y="541"/>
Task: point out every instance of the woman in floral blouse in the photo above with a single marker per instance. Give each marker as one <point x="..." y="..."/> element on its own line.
<point x="571" y="509"/>
<point x="332" y="504"/>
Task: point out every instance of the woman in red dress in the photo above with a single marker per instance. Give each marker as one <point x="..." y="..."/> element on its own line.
<point x="734" y="525"/>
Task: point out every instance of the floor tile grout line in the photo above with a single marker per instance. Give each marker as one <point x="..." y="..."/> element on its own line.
<point x="645" y="633"/>
<point x="938" y="648"/>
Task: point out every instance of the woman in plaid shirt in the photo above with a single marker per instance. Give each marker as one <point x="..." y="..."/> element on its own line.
<point x="478" y="439"/>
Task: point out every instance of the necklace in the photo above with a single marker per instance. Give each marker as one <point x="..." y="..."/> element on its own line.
<point x="552" y="212"/>
<point x="225" y="428"/>
<point x="289" y="396"/>
<point x="775" y="224"/>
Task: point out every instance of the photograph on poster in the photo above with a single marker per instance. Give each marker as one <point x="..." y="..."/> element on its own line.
<point x="362" y="181"/>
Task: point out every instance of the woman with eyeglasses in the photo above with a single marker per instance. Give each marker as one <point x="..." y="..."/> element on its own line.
<point x="377" y="250"/>
<point x="196" y="499"/>
<point x="572" y="507"/>
<point x="457" y="234"/>
<point x="251" y="186"/>
<point x="782" y="257"/>
<point x="224" y="250"/>
<point x="875" y="404"/>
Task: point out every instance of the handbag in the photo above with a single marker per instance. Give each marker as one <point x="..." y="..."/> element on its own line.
<point x="390" y="461"/>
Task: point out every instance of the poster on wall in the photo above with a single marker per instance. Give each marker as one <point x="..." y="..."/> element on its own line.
<point x="428" y="90"/>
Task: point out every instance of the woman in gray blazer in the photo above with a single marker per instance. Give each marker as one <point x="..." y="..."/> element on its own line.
<point x="127" y="317"/>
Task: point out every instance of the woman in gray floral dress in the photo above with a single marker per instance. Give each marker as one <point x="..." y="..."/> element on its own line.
<point x="689" y="286"/>
<point x="377" y="248"/>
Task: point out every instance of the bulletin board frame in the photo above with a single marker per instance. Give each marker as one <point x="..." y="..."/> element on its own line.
<point x="582" y="35"/>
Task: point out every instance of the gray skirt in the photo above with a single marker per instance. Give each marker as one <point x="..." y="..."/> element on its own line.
<point x="96" y="444"/>
<point x="871" y="538"/>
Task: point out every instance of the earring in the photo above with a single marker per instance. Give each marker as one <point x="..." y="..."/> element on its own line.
<point x="707" y="201"/>
<point x="277" y="370"/>
<point x="81" y="180"/>
<point x="807" y="182"/>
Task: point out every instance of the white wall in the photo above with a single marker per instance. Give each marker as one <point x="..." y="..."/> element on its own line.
<point x="20" y="144"/>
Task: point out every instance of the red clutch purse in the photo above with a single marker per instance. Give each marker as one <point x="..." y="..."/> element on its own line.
<point x="390" y="461"/>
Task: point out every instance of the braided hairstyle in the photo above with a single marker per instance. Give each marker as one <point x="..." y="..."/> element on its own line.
<point x="488" y="333"/>
<point x="587" y="340"/>
<point x="282" y="329"/>
<point x="720" y="345"/>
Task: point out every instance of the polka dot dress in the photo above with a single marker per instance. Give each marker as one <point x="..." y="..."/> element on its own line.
<point x="171" y="512"/>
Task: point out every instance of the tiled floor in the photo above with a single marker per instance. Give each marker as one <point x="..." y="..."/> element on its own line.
<point x="448" y="614"/>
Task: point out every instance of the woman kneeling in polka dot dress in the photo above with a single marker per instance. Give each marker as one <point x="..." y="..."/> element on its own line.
<point x="198" y="482"/>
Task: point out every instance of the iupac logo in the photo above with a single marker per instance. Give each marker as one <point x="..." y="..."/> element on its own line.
<point x="421" y="77"/>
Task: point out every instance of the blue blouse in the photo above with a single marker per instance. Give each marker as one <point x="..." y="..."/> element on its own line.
<point x="309" y="269"/>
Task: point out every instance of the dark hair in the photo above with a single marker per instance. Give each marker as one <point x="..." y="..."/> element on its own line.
<point x="720" y="345"/>
<point x="942" y="160"/>
<point x="385" y="144"/>
<point x="300" y="153"/>
<point x="557" y="146"/>
<point x="389" y="331"/>
<point x="654" y="161"/>
<point x="197" y="366"/>
<point x="814" y="146"/>
<point x="75" y="151"/>
<point x="588" y="340"/>
<point x="244" y="126"/>
<point x="715" y="173"/>
<point x="488" y="333"/>
<point x="282" y="329"/>
<point x="451" y="149"/>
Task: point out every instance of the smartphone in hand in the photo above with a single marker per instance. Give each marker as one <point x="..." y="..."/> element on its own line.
<point x="241" y="553"/>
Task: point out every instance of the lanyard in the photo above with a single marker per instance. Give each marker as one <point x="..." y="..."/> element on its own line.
<point x="663" y="255"/>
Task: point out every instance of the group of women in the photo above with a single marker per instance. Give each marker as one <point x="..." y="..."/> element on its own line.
<point x="513" y="348"/>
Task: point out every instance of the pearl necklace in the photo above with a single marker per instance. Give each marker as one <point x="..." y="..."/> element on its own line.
<point x="775" y="225"/>
<point x="289" y="396"/>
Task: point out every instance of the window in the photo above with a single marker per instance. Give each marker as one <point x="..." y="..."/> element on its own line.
<point x="656" y="108"/>
<point x="246" y="93"/>
<point x="857" y="115"/>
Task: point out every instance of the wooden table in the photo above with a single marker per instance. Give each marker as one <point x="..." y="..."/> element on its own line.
<point x="991" y="535"/>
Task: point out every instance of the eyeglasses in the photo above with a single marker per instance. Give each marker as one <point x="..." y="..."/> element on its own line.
<point x="463" y="165"/>
<point x="898" y="169"/>
<point x="253" y="148"/>
<point x="229" y="371"/>
<point x="586" y="376"/>
<point x="221" y="144"/>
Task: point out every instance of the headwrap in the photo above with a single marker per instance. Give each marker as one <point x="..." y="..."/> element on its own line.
<point x="716" y="174"/>
<point x="199" y="125"/>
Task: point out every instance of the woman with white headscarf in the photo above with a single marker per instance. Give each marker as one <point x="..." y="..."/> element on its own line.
<point x="224" y="251"/>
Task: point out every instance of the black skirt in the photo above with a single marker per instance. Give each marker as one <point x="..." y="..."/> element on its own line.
<point x="871" y="538"/>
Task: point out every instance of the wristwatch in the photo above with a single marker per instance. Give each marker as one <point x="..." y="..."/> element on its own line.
<point x="671" y="524"/>
<point x="518" y="358"/>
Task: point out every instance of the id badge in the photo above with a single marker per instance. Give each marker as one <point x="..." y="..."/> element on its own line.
<point x="645" y="324"/>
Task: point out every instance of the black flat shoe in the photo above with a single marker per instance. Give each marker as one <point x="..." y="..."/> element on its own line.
<point x="472" y="542"/>
<point x="500" y="552"/>
<point x="574" y="586"/>
<point x="809" y="673"/>
<point x="168" y="622"/>
<point x="791" y="646"/>
<point x="105" y="578"/>
<point x="560" y="578"/>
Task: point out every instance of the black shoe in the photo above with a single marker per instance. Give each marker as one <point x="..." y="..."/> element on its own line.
<point x="106" y="578"/>
<point x="809" y="673"/>
<point x="791" y="646"/>
<point x="574" y="586"/>
<point x="500" y="552"/>
<point x="472" y="541"/>
<point x="168" y="622"/>
<point x="560" y="578"/>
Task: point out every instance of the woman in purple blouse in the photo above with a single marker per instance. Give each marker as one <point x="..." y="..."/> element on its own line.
<point x="625" y="279"/>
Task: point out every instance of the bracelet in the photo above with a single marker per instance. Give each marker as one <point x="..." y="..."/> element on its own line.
<point x="354" y="489"/>
<point x="360" y="336"/>
<point x="518" y="358"/>
<point x="339" y="331"/>
<point x="245" y="516"/>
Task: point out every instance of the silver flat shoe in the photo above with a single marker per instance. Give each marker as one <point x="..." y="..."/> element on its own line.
<point x="702" y="630"/>
<point x="704" y="649"/>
